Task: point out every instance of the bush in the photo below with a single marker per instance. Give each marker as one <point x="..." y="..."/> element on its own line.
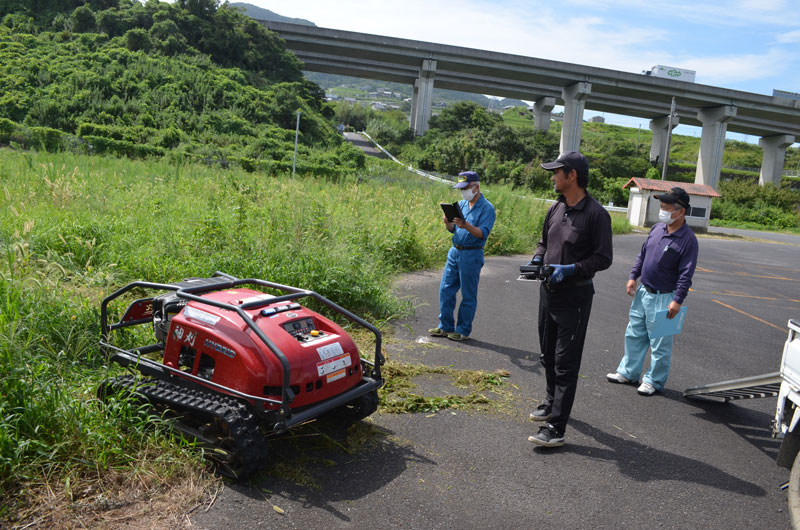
<point x="45" y="138"/>
<point x="747" y="202"/>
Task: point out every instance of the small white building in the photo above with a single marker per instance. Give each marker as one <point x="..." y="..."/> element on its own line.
<point x="643" y="206"/>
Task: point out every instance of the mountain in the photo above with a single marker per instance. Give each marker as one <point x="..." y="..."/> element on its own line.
<point x="260" y="13"/>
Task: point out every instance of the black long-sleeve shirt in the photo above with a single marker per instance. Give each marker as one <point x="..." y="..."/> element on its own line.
<point x="579" y="234"/>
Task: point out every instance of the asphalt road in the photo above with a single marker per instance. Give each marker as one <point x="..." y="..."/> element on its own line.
<point x="363" y="144"/>
<point x="630" y="461"/>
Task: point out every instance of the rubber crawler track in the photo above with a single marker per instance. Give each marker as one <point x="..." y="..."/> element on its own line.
<point x="245" y="449"/>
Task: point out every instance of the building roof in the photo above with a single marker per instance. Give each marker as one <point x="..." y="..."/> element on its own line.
<point x="665" y="185"/>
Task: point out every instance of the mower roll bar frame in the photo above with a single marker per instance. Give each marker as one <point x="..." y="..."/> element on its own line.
<point x="191" y="293"/>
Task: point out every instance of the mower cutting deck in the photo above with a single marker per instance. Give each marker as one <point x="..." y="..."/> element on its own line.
<point x="236" y="363"/>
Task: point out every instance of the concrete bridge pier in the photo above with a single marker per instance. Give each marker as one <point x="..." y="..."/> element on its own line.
<point x="658" y="146"/>
<point x="774" y="148"/>
<point x="422" y="100"/>
<point x="574" y="97"/>
<point x="712" y="143"/>
<point x="542" y="108"/>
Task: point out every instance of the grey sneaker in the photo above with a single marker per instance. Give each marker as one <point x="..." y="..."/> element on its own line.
<point x="646" y="389"/>
<point x="457" y="336"/>
<point x="617" y="377"/>
<point x="547" y="437"/>
<point x="437" y="332"/>
<point x="542" y="413"/>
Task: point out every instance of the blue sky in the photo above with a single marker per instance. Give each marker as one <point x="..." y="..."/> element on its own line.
<point x="750" y="45"/>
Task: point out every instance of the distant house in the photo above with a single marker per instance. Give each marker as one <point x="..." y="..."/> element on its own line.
<point x="643" y="207"/>
<point x="597" y="119"/>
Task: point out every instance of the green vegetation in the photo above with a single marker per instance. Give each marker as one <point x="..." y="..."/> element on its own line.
<point x="747" y="206"/>
<point x="186" y="80"/>
<point x="508" y="150"/>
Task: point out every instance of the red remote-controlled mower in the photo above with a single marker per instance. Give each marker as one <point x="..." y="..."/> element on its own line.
<point x="239" y="363"/>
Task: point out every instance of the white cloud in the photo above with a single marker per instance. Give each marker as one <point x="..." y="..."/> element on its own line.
<point x="763" y="5"/>
<point x="789" y="38"/>
<point x="738" y="68"/>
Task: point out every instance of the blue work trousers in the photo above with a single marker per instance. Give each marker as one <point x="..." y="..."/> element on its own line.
<point x="637" y="340"/>
<point x="462" y="271"/>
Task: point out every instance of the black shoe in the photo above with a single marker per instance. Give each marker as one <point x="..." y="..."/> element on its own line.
<point x="542" y="413"/>
<point x="547" y="437"/>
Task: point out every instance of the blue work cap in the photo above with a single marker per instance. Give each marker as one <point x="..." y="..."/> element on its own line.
<point x="465" y="178"/>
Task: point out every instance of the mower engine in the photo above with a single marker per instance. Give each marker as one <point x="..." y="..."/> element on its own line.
<point x="235" y="361"/>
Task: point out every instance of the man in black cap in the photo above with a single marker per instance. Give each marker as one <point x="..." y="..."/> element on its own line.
<point x="465" y="258"/>
<point x="666" y="265"/>
<point x="576" y="243"/>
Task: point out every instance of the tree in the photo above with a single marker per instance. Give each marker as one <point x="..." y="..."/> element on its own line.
<point x="465" y="115"/>
<point x="83" y="20"/>
<point x="200" y="8"/>
<point x="137" y="39"/>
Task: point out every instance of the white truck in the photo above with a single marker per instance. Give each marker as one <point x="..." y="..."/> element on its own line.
<point x="787" y="417"/>
<point x="671" y="72"/>
<point x="786" y="424"/>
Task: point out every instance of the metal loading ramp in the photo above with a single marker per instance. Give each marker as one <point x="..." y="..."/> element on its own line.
<point x="758" y="386"/>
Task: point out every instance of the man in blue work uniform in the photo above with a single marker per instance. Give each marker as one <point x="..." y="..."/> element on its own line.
<point x="576" y="243"/>
<point x="666" y="265"/>
<point x="465" y="258"/>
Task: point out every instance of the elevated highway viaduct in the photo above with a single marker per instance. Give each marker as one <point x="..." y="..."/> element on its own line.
<point x="548" y="83"/>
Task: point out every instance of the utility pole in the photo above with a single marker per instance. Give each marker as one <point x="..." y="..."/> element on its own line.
<point x="669" y="140"/>
<point x="637" y="137"/>
<point x="296" y="133"/>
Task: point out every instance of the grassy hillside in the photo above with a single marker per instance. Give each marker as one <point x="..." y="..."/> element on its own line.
<point x="154" y="80"/>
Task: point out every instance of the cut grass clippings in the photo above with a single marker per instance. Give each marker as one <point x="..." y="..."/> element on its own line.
<point x="483" y="390"/>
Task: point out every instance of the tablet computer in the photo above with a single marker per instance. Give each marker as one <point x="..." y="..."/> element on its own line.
<point x="451" y="211"/>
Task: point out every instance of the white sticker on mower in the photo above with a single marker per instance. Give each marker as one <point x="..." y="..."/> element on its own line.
<point x="202" y="316"/>
<point x="264" y="296"/>
<point x="330" y="350"/>
<point x="334" y="364"/>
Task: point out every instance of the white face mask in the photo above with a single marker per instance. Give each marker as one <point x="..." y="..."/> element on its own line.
<point x="665" y="217"/>
<point x="467" y="194"/>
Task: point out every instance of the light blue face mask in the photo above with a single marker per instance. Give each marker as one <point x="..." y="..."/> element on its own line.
<point x="467" y="194"/>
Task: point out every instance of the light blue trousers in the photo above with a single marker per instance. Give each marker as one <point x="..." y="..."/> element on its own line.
<point x="462" y="271"/>
<point x="637" y="340"/>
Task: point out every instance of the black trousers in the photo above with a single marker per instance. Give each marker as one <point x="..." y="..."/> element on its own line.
<point x="563" y="318"/>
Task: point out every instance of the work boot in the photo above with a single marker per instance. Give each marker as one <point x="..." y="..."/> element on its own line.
<point x="437" y="332"/>
<point x="547" y="436"/>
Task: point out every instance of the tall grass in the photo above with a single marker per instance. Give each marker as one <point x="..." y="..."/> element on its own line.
<point x="75" y="227"/>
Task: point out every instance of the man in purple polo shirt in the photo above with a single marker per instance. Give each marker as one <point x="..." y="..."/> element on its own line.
<point x="666" y="265"/>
